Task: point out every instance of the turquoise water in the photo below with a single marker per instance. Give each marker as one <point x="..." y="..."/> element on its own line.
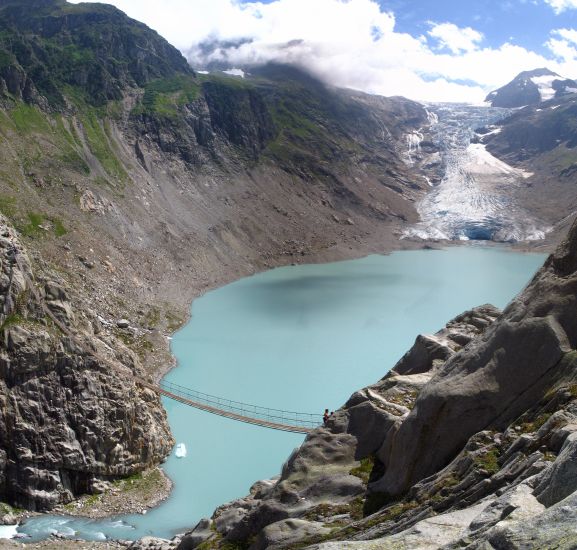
<point x="298" y="338"/>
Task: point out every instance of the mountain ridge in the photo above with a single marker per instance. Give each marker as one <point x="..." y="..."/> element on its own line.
<point x="530" y="88"/>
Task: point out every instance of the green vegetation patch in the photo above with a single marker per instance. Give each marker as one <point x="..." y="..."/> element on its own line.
<point x="29" y="119"/>
<point x="8" y="206"/>
<point x="530" y="427"/>
<point x="33" y="226"/>
<point x="100" y="146"/>
<point x="173" y="321"/>
<point x="36" y="224"/>
<point x="7" y="509"/>
<point x="11" y="320"/>
<point x="363" y="471"/>
<point x="163" y="96"/>
<point x="58" y="227"/>
<point x="139" y="344"/>
<point x="489" y="461"/>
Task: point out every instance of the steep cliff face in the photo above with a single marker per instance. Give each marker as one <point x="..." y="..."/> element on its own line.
<point x="469" y="442"/>
<point x="72" y="411"/>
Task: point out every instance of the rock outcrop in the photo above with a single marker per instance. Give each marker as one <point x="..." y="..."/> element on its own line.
<point x="72" y="413"/>
<point x="469" y="442"/>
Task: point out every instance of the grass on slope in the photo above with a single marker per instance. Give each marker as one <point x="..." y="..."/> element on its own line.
<point x="164" y="96"/>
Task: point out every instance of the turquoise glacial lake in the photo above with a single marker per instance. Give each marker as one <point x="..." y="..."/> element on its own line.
<point x="298" y="338"/>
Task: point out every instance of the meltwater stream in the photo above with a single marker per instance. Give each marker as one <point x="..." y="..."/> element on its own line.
<point x="298" y="338"/>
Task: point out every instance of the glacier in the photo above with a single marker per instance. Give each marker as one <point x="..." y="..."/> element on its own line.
<point x="474" y="199"/>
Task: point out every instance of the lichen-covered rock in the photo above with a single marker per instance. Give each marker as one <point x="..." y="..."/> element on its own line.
<point x="71" y="411"/>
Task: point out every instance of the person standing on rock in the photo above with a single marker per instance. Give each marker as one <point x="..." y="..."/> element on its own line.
<point x="326" y="416"/>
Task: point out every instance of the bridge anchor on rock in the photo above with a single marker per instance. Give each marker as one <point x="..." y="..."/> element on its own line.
<point x="274" y="419"/>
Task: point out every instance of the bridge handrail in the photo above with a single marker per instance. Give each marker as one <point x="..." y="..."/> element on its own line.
<point x="296" y="418"/>
<point x="218" y="399"/>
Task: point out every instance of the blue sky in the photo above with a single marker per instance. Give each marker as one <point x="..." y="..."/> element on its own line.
<point x="440" y="50"/>
<point x="526" y="23"/>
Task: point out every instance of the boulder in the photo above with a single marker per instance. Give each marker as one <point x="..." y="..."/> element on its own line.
<point x="561" y="479"/>
<point x="283" y="534"/>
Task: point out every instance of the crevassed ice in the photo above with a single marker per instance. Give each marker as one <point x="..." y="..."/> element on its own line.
<point x="473" y="200"/>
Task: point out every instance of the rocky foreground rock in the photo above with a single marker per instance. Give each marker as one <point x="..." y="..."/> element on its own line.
<point x="469" y="442"/>
<point x="71" y="413"/>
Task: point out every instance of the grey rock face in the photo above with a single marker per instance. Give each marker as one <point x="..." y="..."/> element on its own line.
<point x="561" y="480"/>
<point x="554" y="528"/>
<point x="284" y="533"/>
<point x="493" y="380"/>
<point x="71" y="411"/>
<point x="430" y="351"/>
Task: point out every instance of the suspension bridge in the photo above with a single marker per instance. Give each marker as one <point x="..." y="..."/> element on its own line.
<point x="274" y="419"/>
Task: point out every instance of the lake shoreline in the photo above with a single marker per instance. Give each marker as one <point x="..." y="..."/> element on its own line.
<point x="321" y="267"/>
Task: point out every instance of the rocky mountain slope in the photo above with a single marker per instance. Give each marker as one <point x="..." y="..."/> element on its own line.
<point x="136" y="184"/>
<point x="469" y="442"/>
<point x="180" y="182"/>
<point x="542" y="141"/>
<point x="531" y="88"/>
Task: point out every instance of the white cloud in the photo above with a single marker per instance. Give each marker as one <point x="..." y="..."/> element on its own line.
<point x="455" y="39"/>
<point x="562" y="45"/>
<point x="570" y="35"/>
<point x="349" y="43"/>
<point x="562" y="5"/>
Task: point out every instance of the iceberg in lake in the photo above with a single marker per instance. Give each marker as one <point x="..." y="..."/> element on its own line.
<point x="180" y="451"/>
<point x="8" y="531"/>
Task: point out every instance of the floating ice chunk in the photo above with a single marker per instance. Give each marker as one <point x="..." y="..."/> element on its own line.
<point x="8" y="531"/>
<point x="180" y="451"/>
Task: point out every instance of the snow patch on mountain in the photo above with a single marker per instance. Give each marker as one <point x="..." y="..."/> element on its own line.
<point x="480" y="162"/>
<point x="545" y="86"/>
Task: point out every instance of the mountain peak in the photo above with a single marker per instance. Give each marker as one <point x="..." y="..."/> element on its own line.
<point x="543" y="71"/>
<point x="531" y="88"/>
